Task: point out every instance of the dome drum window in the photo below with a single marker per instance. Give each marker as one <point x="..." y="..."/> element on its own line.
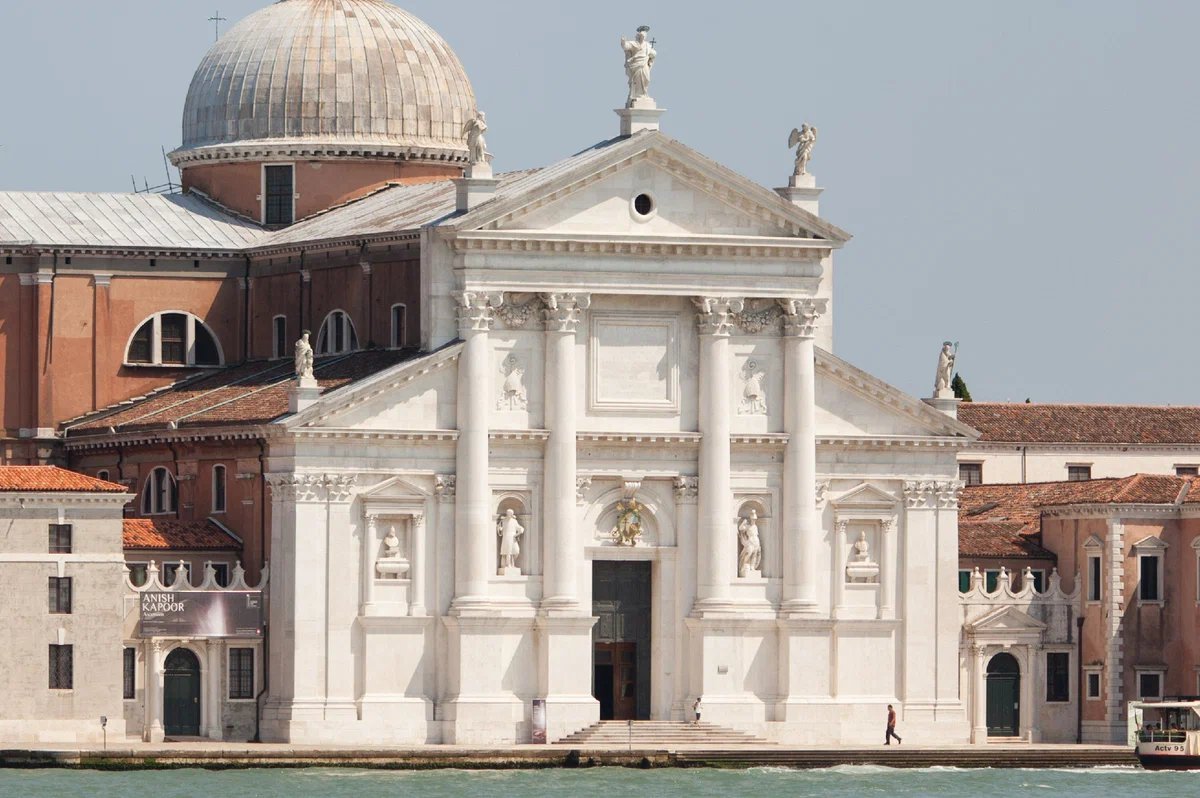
<point x="173" y="339"/>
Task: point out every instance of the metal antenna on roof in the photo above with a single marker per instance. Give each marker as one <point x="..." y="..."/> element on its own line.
<point x="216" y="19"/>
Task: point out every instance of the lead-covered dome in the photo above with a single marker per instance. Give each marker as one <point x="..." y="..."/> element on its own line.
<point x="357" y="78"/>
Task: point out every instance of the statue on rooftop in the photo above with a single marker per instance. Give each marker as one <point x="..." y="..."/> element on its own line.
<point x="474" y="129"/>
<point x="805" y="138"/>
<point x="639" y="60"/>
<point x="945" y="371"/>
<point x="304" y="357"/>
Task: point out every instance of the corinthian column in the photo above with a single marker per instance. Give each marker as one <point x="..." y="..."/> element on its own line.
<point x="563" y="312"/>
<point x="473" y="535"/>
<point x="801" y="527"/>
<point x="715" y="541"/>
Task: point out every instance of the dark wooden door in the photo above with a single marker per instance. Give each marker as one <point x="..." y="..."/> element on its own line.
<point x="621" y="659"/>
<point x="1003" y="696"/>
<point x="616" y="680"/>
<point x="181" y="694"/>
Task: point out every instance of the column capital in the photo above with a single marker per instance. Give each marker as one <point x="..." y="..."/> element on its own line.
<point x="717" y="315"/>
<point x="800" y="316"/>
<point x="477" y="311"/>
<point x="687" y="489"/>
<point x="444" y="486"/>
<point x="562" y="312"/>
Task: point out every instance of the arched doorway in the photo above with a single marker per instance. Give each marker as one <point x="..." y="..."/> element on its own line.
<point x="1003" y="696"/>
<point x="181" y="694"/>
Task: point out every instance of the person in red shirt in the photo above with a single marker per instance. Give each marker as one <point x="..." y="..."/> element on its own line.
<point x="891" y="727"/>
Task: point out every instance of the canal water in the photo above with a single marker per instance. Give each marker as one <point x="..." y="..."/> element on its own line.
<point x="841" y="782"/>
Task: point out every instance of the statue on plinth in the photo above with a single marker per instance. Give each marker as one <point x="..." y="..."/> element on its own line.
<point x="945" y="371"/>
<point x="509" y="530"/>
<point x="391" y="544"/>
<point x="304" y="358"/>
<point x="750" y="547"/>
<point x="473" y="130"/>
<point x="639" y="60"/>
<point x="862" y="549"/>
<point x="805" y="138"/>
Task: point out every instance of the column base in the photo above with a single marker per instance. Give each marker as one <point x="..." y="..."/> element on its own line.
<point x="800" y="608"/>
<point x="155" y="734"/>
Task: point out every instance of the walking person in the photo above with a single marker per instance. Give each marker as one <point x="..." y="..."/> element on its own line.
<point x="891" y="727"/>
<point x="696" y="709"/>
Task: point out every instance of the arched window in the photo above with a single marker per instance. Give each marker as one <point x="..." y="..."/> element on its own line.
<point x="218" y="489"/>
<point x="102" y="474"/>
<point x="399" y="326"/>
<point x="337" y="335"/>
<point x="279" y="342"/>
<point x="174" y="339"/>
<point x="158" y="496"/>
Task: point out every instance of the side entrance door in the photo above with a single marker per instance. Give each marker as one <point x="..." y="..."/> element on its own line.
<point x="181" y="694"/>
<point x="1003" y="696"/>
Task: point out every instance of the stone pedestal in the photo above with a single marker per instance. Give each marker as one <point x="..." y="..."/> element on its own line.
<point x="802" y="191"/>
<point x="512" y="570"/>
<point x="303" y="394"/>
<point x="475" y="187"/>
<point x="946" y="403"/>
<point x="637" y="119"/>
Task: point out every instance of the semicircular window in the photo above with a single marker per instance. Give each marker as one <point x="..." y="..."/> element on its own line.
<point x="174" y="339"/>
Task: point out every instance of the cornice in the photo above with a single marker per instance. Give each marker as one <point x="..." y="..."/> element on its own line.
<point x="310" y="150"/>
<point x="1016" y="446"/>
<point x="109" y="440"/>
<point x="890" y="442"/>
<point x="699" y="246"/>
<point x="50" y="500"/>
<point x="347" y="434"/>
<point x="1129" y="510"/>
<point x="324" y="244"/>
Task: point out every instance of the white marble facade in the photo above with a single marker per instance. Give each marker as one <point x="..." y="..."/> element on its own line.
<point x="585" y="355"/>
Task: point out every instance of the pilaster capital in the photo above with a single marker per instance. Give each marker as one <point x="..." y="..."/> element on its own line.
<point x="687" y="489"/>
<point x="717" y="315"/>
<point x="444" y="487"/>
<point x="821" y="493"/>
<point x="583" y="483"/>
<point x="932" y="495"/>
<point x="800" y="316"/>
<point x="418" y="520"/>
<point x="102" y="280"/>
<point x="477" y="311"/>
<point x="305" y="276"/>
<point x="563" y="312"/>
<point x="311" y="487"/>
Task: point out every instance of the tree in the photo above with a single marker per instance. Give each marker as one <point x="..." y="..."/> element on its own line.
<point x="959" y="386"/>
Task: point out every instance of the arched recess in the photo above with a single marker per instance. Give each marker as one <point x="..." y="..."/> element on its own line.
<point x="658" y="516"/>
<point x="173" y="338"/>
<point x="1003" y="696"/>
<point x="337" y="334"/>
<point x="182" y="700"/>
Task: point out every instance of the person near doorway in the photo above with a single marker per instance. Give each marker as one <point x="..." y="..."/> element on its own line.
<point x="891" y="727"/>
<point x="696" y="709"/>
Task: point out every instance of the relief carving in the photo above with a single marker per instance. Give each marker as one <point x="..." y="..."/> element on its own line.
<point x="754" y="395"/>
<point x="512" y="389"/>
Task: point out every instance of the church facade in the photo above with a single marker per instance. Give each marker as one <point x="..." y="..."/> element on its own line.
<point x="582" y="450"/>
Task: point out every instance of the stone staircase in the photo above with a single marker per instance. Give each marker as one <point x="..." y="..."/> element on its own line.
<point x="657" y="734"/>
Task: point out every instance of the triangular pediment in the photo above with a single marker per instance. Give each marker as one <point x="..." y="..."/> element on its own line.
<point x="853" y="404"/>
<point x="865" y="496"/>
<point x="593" y="191"/>
<point x="1150" y="543"/>
<point x="395" y="489"/>
<point x="1005" y="619"/>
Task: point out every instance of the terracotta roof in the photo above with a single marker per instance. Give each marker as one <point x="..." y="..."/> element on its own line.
<point x="1006" y="520"/>
<point x="167" y="533"/>
<point x="51" y="479"/>
<point x="1048" y="423"/>
<point x="252" y="393"/>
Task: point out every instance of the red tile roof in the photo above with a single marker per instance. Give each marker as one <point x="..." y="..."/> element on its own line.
<point x="1006" y="520"/>
<point x="255" y="392"/>
<point x="1048" y="423"/>
<point x="167" y="533"/>
<point x="51" y="479"/>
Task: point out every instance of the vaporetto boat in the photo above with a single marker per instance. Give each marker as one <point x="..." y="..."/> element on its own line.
<point x="1166" y="734"/>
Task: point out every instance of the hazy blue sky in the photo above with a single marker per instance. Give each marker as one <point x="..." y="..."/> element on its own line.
<point x="1020" y="176"/>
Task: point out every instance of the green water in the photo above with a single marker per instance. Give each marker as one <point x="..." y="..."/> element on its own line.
<point x="604" y="783"/>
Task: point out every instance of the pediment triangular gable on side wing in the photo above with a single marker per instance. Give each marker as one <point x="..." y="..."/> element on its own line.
<point x="544" y="198"/>
<point x="864" y="496"/>
<point x="1006" y="618"/>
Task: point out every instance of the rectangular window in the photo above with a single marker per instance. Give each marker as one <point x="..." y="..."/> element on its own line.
<point x="1093" y="684"/>
<point x="129" y="671"/>
<point x="279" y="336"/>
<point x="964" y="581"/>
<point x="218" y="489"/>
<point x="173" y="338"/>
<point x="1187" y="471"/>
<point x="1079" y="473"/>
<point x="1148" y="587"/>
<point x="1039" y="581"/>
<point x="1093" y="578"/>
<point x="60" y="595"/>
<point x="280" y="196"/>
<point x="1149" y="685"/>
<point x="399" y="326"/>
<point x="241" y="673"/>
<point x="62" y="675"/>
<point x="1058" y="676"/>
<point x="970" y="473"/>
<point x="991" y="581"/>
<point x="60" y="538"/>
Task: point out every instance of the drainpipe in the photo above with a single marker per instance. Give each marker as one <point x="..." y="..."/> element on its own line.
<point x="1023" y="448"/>
<point x="1080" y="687"/>
<point x="262" y="559"/>
<point x="246" y="315"/>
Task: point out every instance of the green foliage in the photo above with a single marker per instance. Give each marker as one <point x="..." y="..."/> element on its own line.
<point x="959" y="386"/>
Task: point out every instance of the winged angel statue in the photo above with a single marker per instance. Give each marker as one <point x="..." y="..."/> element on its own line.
<point x="804" y="137"/>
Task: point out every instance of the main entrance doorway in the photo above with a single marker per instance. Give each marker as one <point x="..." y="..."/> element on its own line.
<point x="621" y="639"/>
<point x="181" y="694"/>
<point x="1003" y="696"/>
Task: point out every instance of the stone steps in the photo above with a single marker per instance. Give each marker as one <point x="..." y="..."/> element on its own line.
<point x="658" y="733"/>
<point x="899" y="756"/>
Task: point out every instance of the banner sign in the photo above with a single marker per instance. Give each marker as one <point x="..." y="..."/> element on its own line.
<point x="539" y="721"/>
<point x="202" y="613"/>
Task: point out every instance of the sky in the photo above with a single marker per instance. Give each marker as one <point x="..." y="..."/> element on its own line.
<point x="1020" y="177"/>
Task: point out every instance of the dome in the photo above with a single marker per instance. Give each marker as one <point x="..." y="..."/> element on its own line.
<point x="314" y="78"/>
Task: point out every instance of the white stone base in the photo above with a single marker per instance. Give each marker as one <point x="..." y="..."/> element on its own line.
<point x="303" y="394"/>
<point x="802" y="191"/>
<point x="471" y="192"/>
<point x="635" y="120"/>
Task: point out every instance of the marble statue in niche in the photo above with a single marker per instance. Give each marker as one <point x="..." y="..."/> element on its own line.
<point x="639" y="60"/>
<point x="509" y="531"/>
<point x="805" y="138"/>
<point x="391" y="543"/>
<point x="392" y="564"/>
<point x="754" y="395"/>
<point x="749" y="547"/>
<point x="861" y="567"/>
<point x="512" y="389"/>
